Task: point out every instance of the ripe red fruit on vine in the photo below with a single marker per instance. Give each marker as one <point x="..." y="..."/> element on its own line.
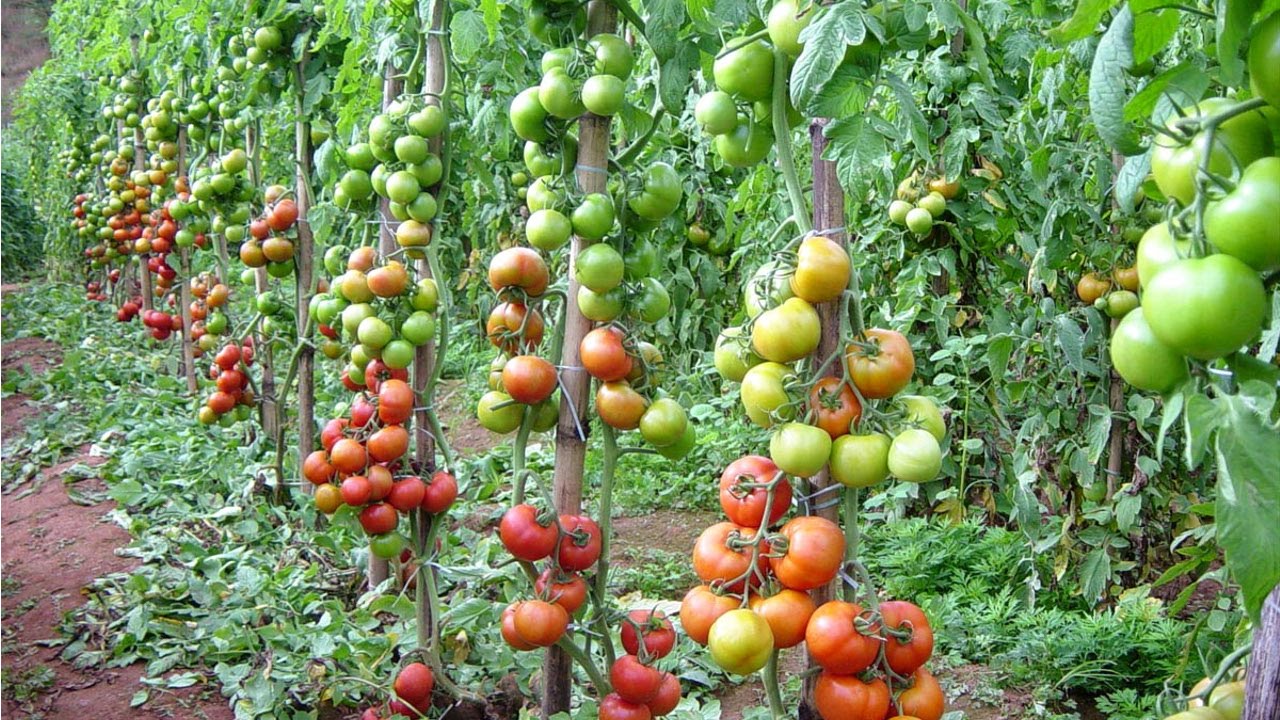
<point x="332" y="433"/>
<point x="440" y="493"/>
<point x="356" y="490"/>
<point x="395" y="401"/>
<point x="580" y="547"/>
<point x="634" y="681"/>
<point x="407" y="494"/>
<point x="654" y="628"/>
<point x="348" y="456"/>
<point x="906" y="654"/>
<point x="414" y="684"/>
<point x="524" y="537"/>
<point x="568" y="590"/>
<point x="379" y="518"/>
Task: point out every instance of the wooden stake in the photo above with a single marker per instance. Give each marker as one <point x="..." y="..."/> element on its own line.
<point x="302" y="268"/>
<point x="184" y="280"/>
<point x="270" y="410"/>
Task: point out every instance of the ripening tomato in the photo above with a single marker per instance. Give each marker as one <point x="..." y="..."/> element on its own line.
<point x="740" y="642"/>
<point x="786" y="333"/>
<point x="568" y="590"/>
<point x="633" y="681"/>
<point x="508" y="628"/>
<point x="847" y="697"/>
<point x="835" y="406"/>
<point x="924" y="699"/>
<point x="614" y="707"/>
<point x="787" y="612"/>
<point x="439" y="494"/>
<point x="540" y="623"/>
<point x="701" y="607"/>
<point x="524" y="536"/>
<point x="713" y="559"/>
<point x="519" y="267"/>
<point x="745" y="505"/>
<point x="528" y="379"/>
<point x="317" y="469"/>
<point x="414" y="684"/>
<point x="380" y="481"/>
<point x="822" y="270"/>
<point x="814" y="553"/>
<point x="580" y="544"/>
<point x="1092" y="286"/>
<point x="764" y="393"/>
<point x="881" y="363"/>
<point x="513" y="328"/>
<point x="619" y="405"/>
<point x="906" y="654"/>
<point x="389" y="443"/>
<point x="834" y="641"/>
<point x="603" y="354"/>
<point x="407" y="494"/>
<point x="348" y="456"/>
<point x="653" y="628"/>
<point x="668" y="696"/>
<point x="379" y="519"/>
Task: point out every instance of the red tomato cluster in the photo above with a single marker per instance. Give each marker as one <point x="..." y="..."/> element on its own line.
<point x="640" y="690"/>
<point x="359" y="464"/>
<point x="232" y="394"/>
<point x="129" y="309"/>
<point x="267" y="242"/>
<point x="413" y="686"/>
<point x="570" y="544"/>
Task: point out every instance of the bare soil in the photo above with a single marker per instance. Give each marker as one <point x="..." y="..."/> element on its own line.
<point x="458" y="418"/>
<point x="53" y="548"/>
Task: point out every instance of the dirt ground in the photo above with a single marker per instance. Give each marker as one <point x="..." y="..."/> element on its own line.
<point x="23" y="46"/>
<point x="53" y="547"/>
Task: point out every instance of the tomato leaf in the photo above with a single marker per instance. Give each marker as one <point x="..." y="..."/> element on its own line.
<point x="662" y="27"/>
<point x="673" y="82"/>
<point x="825" y="41"/>
<point x="1185" y="82"/>
<point x="1233" y="20"/>
<point x="467" y="34"/>
<point x="1095" y="573"/>
<point x="1152" y="28"/>
<point x="1107" y="83"/>
<point x="857" y="148"/>
<point x="1172" y="411"/>
<point x="916" y="126"/>
<point x="1083" y="21"/>
<point x="1200" y="420"/>
<point x="844" y="94"/>
<point x="1248" y="500"/>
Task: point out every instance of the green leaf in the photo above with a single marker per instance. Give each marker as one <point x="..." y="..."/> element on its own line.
<point x="492" y="11"/>
<point x="1083" y="21"/>
<point x="825" y="41"/>
<point x="916" y="125"/>
<point x="467" y="34"/>
<point x="126" y="492"/>
<point x="856" y="147"/>
<point x="1202" y="418"/>
<point x="1172" y="411"/>
<point x="1152" y="29"/>
<point x="673" y="82"/>
<point x="1108" y="79"/>
<point x="1185" y="81"/>
<point x="662" y="27"/>
<point x="1129" y="180"/>
<point x="844" y="94"/>
<point x="1095" y="573"/>
<point x="998" y="352"/>
<point x="1233" y="20"/>
<point x="1248" y="500"/>
<point x="955" y="150"/>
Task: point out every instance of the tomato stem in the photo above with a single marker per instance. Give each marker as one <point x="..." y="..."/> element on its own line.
<point x="852" y="532"/>
<point x="782" y="141"/>
<point x="771" y="688"/>
<point x="601" y="589"/>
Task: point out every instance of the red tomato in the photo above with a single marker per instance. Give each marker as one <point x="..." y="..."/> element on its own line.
<point x="881" y="363"/>
<point x="441" y="493"/>
<point x="701" y="607"/>
<point x="835" y="642"/>
<point x="924" y="699"/>
<point x="847" y="697"/>
<point x="528" y="379"/>
<point x="568" y="590"/>
<point x="540" y="623"/>
<point x="603" y="354"/>
<point x="379" y="519"/>
<point x="787" y="612"/>
<point x="580" y="546"/>
<point x="613" y="707"/>
<point x="714" y="560"/>
<point x="906" y="655"/>
<point x="668" y="696"/>
<point x="745" y="506"/>
<point x="653" y="627"/>
<point x="407" y="494"/>
<point x="633" y="681"/>
<point x="814" y="553"/>
<point x="524" y="537"/>
<point x="835" y="406"/>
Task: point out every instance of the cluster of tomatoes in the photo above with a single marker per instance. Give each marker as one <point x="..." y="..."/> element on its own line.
<point x="755" y="598"/>
<point x="359" y="462"/>
<point x="1201" y="271"/>
<point x="571" y="544"/>
<point x="397" y="163"/>
<point x="208" y="316"/>
<point x="233" y="398"/>
<point x="413" y="686"/>
<point x="93" y="291"/>
<point x="640" y="689"/>
<point x="1096" y="289"/>
<point x="918" y="208"/>
<point x="830" y="423"/>
<point x="574" y="83"/>
<point x="384" y="315"/>
<point x="268" y="244"/>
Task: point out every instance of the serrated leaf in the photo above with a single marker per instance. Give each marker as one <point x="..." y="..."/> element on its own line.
<point x="492" y="13"/>
<point x="1152" y="31"/>
<point x="856" y="147"/>
<point x="662" y="27"/>
<point x="955" y="150"/>
<point x="1107" y="84"/>
<point x="1233" y="20"/>
<point x="1248" y="501"/>
<point x="917" y="129"/>
<point x="1185" y="82"/>
<point x="1083" y="21"/>
<point x="467" y="34"/>
<point x="1129" y="180"/>
<point x="1095" y="573"/>
<point x="673" y="84"/>
<point x="825" y="41"/>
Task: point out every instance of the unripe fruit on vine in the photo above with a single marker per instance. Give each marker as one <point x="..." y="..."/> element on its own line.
<point x="716" y="113"/>
<point x="898" y="210"/>
<point x="919" y="221"/>
<point x="934" y="203"/>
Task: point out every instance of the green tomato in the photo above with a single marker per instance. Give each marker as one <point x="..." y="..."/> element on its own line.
<point x="661" y="193"/>
<point x="860" y="461"/>
<point x="1228" y="700"/>
<point x="560" y="95"/>
<point x="744" y="69"/>
<point x="268" y="38"/>
<point x="268" y="303"/>
<point x="359" y="156"/>
<point x="1206" y="307"/>
<point x="764" y="393"/>
<point x="654" y="302"/>
<point x="923" y="412"/>
<point x="423" y="208"/>
<point x="501" y="420"/>
<point x="1157" y="250"/>
<point x="799" y="449"/>
<point x="398" y="354"/>
<point x="381" y="132"/>
<point x="785" y="27"/>
<point x="919" y="221"/>
<point x="1242" y="139"/>
<point x="556" y="58"/>
<point x="613" y="55"/>
<point x="769" y="286"/>
<point x="599" y="267"/>
<point x="427" y="122"/>
<point x="538" y="161"/>
<point x="412" y="149"/>
<point x="915" y="456"/>
<point x="786" y="333"/>
<point x="697" y="235"/>
<point x="680" y="447"/>
<point x="603" y="95"/>
<point x="361" y="356"/>
<point x="740" y="641"/>
<point x="216" y="323"/>
<point x="548" y="229"/>
<point x="399" y="211"/>
<point x="594" y="216"/>
<point x="402" y="187"/>
<point x="426" y="295"/>
<point x="1119" y="303"/>
<point x="641" y="260"/>
<point x="387" y="545"/>
<point x="716" y="113"/>
<point x="378" y="178"/>
<point x="419" y="328"/>
<point x="374" y="332"/>
<point x="546" y="415"/>
<point x="733" y="355"/>
<point x="1243" y="224"/>
<point x="429" y="171"/>
<point x="329" y="309"/>
<point x="600" y="307"/>
<point x="664" y="423"/>
<point x="248" y="277"/>
<point x="746" y="144"/>
<point x="1264" y="59"/>
<point x="898" y="210"/>
<point x="528" y="116"/>
<point x="934" y="203"/>
<point x="541" y="195"/>
<point x="355" y="314"/>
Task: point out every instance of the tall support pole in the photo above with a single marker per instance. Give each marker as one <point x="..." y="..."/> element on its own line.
<point x="571" y="448"/>
<point x="1262" y="684"/>
<point x="144" y="274"/>
<point x="302" y="267"/>
<point x="379" y="568"/>
<point x="184" y="280"/>
<point x="828" y="221"/>
<point x="261" y="283"/>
